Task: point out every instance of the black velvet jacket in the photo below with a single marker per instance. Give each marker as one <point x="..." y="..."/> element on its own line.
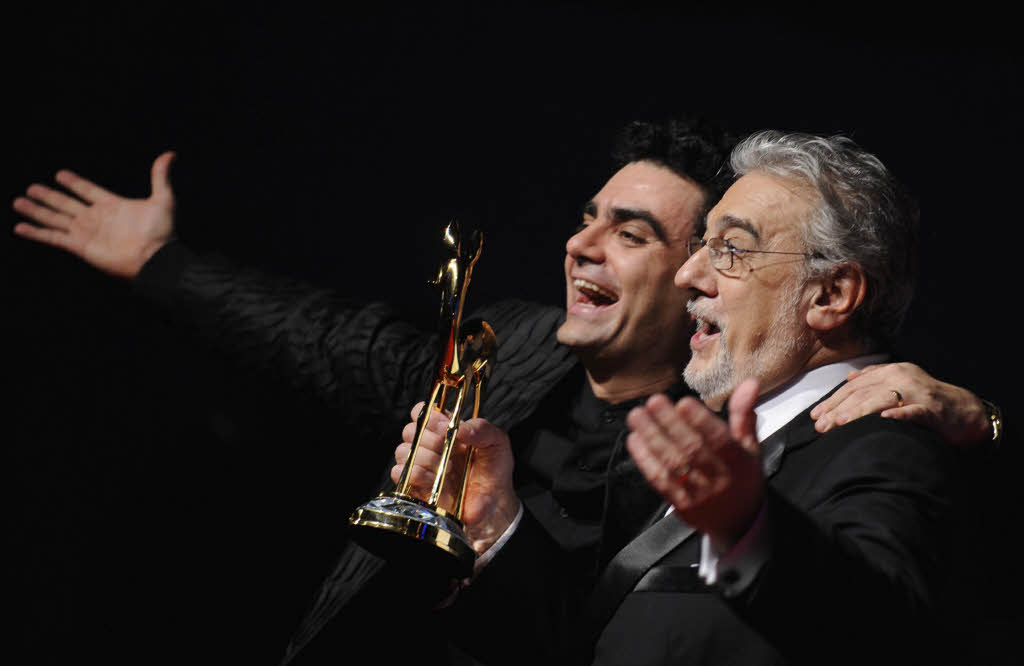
<point x="371" y="366"/>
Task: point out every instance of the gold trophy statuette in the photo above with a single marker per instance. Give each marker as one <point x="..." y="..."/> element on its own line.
<point x="417" y="530"/>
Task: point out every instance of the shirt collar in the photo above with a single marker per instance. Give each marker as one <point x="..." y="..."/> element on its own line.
<point x="778" y="407"/>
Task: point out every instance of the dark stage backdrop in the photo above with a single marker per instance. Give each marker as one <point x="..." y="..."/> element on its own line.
<point x="166" y="508"/>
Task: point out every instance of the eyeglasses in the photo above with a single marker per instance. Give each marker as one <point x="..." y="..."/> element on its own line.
<point x="721" y="252"/>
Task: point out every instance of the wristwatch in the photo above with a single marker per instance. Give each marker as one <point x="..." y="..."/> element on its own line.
<point x="995" y="417"/>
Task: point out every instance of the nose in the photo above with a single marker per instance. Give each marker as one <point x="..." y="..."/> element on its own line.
<point x="696" y="274"/>
<point x="585" y="245"/>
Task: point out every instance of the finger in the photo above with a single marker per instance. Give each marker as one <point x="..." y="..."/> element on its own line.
<point x="849" y="391"/>
<point x="160" y="177"/>
<point x="678" y="486"/>
<point x="437" y="421"/>
<point x="41" y="214"/>
<point x="915" y="413"/>
<point x="427" y="458"/>
<point x="845" y="392"/>
<point x="662" y="426"/>
<point x="409" y="431"/>
<point x="867" y="369"/>
<point x="861" y="403"/>
<point x="430" y="441"/>
<point x="419" y="480"/>
<point x="665" y="461"/>
<point x="708" y="431"/>
<point x="41" y="235"/>
<point x="830" y="403"/>
<point x="86" y="190"/>
<point x="402" y="452"/>
<point x="482" y="434"/>
<point x="742" y="419"/>
<point x="423" y="469"/>
<point x="702" y="471"/>
<point x="56" y="200"/>
<point x="642" y="423"/>
<point x="661" y="478"/>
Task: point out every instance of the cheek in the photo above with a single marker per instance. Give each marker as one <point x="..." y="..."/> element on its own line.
<point x="667" y="303"/>
<point x="750" y="324"/>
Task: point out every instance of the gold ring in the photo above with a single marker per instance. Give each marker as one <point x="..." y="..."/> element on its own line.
<point x="899" y="397"/>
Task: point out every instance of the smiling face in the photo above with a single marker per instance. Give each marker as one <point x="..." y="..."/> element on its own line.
<point x="751" y="319"/>
<point x="622" y="308"/>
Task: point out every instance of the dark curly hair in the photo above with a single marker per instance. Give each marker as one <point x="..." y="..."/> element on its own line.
<point x="689" y="146"/>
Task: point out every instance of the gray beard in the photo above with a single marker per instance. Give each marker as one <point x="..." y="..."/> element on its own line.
<point x="718" y="380"/>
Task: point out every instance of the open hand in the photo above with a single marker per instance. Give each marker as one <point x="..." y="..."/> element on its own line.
<point x="707" y="469"/>
<point x="111" y="233"/>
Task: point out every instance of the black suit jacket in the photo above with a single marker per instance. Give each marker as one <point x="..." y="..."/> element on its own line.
<point x="857" y="519"/>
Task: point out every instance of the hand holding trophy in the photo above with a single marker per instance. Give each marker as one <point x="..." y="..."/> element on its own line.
<point x="422" y="525"/>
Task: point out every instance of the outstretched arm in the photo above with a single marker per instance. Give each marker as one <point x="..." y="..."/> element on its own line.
<point x="958" y="415"/>
<point x="107" y="231"/>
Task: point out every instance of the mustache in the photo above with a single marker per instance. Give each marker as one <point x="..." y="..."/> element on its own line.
<point x="699" y="308"/>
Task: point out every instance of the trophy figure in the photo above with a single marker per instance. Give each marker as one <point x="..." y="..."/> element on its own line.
<point x="426" y="530"/>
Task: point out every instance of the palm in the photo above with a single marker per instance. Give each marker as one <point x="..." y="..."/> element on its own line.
<point x="118" y="235"/>
<point x="112" y="233"/>
<point x="484" y="479"/>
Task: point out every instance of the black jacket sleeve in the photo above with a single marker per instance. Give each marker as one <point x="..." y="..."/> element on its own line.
<point x="361" y="359"/>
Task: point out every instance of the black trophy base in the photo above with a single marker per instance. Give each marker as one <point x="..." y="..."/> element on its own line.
<point x="408" y="533"/>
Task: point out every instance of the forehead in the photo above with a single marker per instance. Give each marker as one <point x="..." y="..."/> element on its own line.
<point x="672" y="199"/>
<point x="770" y="204"/>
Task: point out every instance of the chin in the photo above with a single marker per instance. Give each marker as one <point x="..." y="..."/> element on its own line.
<point x="575" y="333"/>
<point x="713" y="380"/>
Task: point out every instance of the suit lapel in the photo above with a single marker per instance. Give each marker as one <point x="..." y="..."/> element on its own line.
<point x="668" y="532"/>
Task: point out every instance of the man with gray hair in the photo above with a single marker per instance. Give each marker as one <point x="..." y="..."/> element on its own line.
<point x="778" y="544"/>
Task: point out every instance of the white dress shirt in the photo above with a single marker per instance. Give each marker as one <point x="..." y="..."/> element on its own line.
<point x="773" y="411"/>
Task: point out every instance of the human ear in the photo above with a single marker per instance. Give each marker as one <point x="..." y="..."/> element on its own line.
<point x="838" y="295"/>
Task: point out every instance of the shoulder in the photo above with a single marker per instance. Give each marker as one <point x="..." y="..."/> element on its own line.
<point x="875" y="449"/>
<point x="522" y="317"/>
<point x="524" y="328"/>
<point x="530" y="360"/>
<point x="873" y="431"/>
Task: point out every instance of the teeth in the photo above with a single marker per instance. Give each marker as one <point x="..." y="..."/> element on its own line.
<point x="590" y="286"/>
<point x="701" y="316"/>
<point x="704" y="326"/>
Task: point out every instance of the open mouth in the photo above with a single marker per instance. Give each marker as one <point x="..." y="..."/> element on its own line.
<point x="593" y="294"/>
<point x="706" y="331"/>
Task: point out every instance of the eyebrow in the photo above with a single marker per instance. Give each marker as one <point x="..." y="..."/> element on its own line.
<point x="726" y="222"/>
<point x="620" y="215"/>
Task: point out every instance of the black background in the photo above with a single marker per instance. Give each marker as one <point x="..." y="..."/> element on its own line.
<point x="167" y="508"/>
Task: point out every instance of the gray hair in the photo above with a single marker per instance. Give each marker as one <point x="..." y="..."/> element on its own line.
<point x="863" y="218"/>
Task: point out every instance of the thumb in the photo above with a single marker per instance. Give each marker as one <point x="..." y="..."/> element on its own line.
<point x="160" y="176"/>
<point x="482" y="434"/>
<point x="742" y="420"/>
